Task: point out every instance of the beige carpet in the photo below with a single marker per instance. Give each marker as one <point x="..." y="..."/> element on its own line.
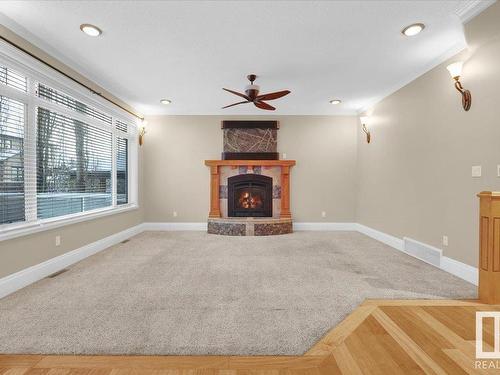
<point x="194" y="293"/>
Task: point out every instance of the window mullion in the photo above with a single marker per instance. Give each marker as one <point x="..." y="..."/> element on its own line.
<point x="30" y="165"/>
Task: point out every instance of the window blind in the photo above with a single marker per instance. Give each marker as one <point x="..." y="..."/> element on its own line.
<point x="74" y="164"/>
<point x="12" y="121"/>
<point x="121" y="126"/>
<point x="67" y="101"/>
<point x="13" y="79"/>
<point x="122" y="171"/>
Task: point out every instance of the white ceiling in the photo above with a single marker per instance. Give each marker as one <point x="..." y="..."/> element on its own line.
<point x="187" y="51"/>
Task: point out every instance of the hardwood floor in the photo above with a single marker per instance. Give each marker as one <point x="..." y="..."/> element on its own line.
<point x="379" y="337"/>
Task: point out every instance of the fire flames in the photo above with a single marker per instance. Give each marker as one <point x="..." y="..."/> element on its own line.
<point x="248" y="200"/>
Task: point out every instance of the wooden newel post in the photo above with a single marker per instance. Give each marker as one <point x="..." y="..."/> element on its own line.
<point x="489" y="247"/>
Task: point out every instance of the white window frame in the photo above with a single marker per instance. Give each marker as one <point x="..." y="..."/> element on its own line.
<point x="35" y="71"/>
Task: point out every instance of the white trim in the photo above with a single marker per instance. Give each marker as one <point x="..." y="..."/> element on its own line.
<point x="11" y="283"/>
<point x="459" y="269"/>
<point x="424" y="252"/>
<point x="22" y="229"/>
<point x="455" y="267"/>
<point x="164" y="226"/>
<point x="325" y="226"/>
<point x="389" y="240"/>
<point x="467" y="10"/>
<point x="18" y="280"/>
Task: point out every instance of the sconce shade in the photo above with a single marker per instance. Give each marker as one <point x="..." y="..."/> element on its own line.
<point x="364" y="120"/>
<point x="142" y="132"/>
<point x="455" y="69"/>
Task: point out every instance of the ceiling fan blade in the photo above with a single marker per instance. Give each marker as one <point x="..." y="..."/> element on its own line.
<point x="237" y="93"/>
<point x="273" y="95"/>
<point x="230" y="105"/>
<point x="263" y="105"/>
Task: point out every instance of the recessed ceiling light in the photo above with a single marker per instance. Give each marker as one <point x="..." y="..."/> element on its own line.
<point x="413" y="29"/>
<point x="165" y="101"/>
<point x="335" y="101"/>
<point x="90" y="30"/>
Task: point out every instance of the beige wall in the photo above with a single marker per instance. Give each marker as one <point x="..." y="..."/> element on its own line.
<point x="414" y="179"/>
<point x="177" y="179"/>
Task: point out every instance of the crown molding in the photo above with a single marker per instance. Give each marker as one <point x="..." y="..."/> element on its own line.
<point x="469" y="9"/>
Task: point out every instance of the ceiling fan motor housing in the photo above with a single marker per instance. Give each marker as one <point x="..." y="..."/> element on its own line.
<point x="252" y="91"/>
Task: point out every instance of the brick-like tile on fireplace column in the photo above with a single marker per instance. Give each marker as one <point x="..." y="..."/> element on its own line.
<point x="273" y="229"/>
<point x="227" y="229"/>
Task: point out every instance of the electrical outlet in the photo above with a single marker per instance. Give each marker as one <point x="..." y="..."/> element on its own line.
<point x="284" y="155"/>
<point x="323" y="214"/>
<point x="476" y="171"/>
<point x="58" y="240"/>
<point x="498" y="170"/>
<point x="445" y="240"/>
<point x="174" y="214"/>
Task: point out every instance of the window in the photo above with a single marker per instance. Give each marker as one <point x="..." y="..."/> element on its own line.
<point x="122" y="171"/>
<point x="73" y="166"/>
<point x="64" y="154"/>
<point x="6" y="143"/>
<point x="68" y="102"/>
<point x="12" y="119"/>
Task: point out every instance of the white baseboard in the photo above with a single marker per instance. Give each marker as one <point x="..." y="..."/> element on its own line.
<point x="416" y="249"/>
<point x="459" y="269"/>
<point x="18" y="280"/>
<point x="174" y="226"/>
<point x="427" y="253"/>
<point x="424" y="252"/>
<point x="324" y="226"/>
<point x="392" y="241"/>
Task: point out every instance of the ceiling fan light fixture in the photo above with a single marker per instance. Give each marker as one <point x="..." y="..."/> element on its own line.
<point x="165" y="101"/>
<point x="335" y="101"/>
<point x="413" y="29"/>
<point x="90" y="30"/>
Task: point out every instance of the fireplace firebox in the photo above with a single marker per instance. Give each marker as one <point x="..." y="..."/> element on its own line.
<point x="250" y="195"/>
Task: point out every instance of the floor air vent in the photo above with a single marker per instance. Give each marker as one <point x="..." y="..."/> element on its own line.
<point x="422" y="251"/>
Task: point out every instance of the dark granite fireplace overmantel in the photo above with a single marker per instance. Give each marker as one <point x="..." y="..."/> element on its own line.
<point x="250" y="140"/>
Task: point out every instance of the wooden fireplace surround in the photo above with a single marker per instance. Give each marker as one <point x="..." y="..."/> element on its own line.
<point x="215" y="181"/>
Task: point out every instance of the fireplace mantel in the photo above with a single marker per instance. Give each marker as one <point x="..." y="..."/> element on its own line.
<point x="215" y="165"/>
<point x="238" y="163"/>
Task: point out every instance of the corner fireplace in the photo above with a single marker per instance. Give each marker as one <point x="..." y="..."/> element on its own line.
<point x="250" y="195"/>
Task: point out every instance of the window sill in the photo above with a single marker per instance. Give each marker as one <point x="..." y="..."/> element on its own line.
<point x="47" y="224"/>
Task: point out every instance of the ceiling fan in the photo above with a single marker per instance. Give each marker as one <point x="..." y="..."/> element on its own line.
<point x="252" y="95"/>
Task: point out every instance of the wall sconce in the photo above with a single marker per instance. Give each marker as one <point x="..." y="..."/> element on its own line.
<point x="142" y="132"/>
<point x="364" y="120"/>
<point x="455" y="70"/>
